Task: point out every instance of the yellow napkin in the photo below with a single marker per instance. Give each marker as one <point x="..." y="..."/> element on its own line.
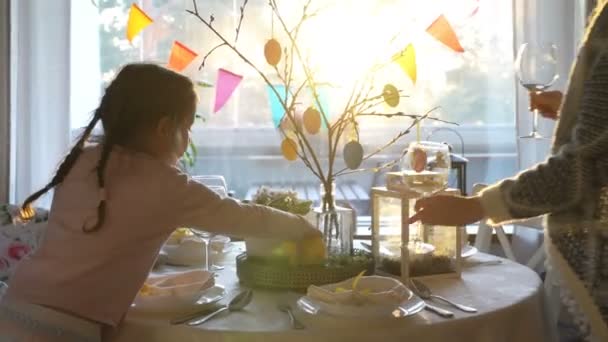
<point x="182" y="284"/>
<point x="372" y="290"/>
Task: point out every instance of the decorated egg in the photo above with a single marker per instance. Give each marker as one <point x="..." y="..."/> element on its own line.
<point x="289" y="149"/>
<point x="418" y="160"/>
<point x="272" y="52"/>
<point x="391" y="95"/>
<point x="312" y="120"/>
<point x="353" y="154"/>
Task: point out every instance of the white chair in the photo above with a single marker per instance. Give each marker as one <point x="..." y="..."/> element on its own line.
<point x="484" y="237"/>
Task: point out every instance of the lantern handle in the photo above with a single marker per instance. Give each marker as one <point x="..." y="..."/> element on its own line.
<point x="428" y="137"/>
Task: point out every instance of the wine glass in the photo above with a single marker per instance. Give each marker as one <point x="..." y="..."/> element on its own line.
<point x="217" y="184"/>
<point x="536" y="66"/>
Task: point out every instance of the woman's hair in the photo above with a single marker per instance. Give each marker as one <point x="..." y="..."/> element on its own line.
<point x="139" y="96"/>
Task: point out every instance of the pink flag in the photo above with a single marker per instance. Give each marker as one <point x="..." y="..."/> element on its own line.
<point x="225" y="86"/>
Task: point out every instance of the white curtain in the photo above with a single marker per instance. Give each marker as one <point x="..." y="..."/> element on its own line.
<point x="40" y="93"/>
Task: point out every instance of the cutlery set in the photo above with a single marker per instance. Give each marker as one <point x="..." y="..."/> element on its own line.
<point x="242" y="299"/>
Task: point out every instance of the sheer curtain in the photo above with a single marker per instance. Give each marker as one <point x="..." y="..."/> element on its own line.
<point x="40" y="92"/>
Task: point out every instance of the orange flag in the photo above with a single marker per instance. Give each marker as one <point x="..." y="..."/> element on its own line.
<point x="407" y="61"/>
<point x="138" y="20"/>
<point x="443" y="32"/>
<point x="180" y="57"/>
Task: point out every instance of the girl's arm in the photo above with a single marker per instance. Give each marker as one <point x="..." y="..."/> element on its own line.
<point x="561" y="181"/>
<point x="197" y="206"/>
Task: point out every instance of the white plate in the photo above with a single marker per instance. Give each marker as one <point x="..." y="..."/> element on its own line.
<point x="468" y="251"/>
<point x="173" y="304"/>
<point x="408" y="307"/>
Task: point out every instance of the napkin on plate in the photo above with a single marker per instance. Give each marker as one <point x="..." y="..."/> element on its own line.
<point x="179" y="284"/>
<point x="374" y="290"/>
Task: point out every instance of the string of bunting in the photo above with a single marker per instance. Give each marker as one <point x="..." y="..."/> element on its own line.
<point x="181" y="56"/>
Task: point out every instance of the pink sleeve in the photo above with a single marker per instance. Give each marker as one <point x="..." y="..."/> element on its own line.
<point x="194" y="205"/>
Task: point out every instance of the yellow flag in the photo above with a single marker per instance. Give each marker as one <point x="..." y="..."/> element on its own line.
<point x="407" y="61"/>
<point x="138" y="20"/>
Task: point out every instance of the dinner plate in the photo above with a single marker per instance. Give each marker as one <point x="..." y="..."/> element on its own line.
<point x="173" y="304"/>
<point x="468" y="251"/>
<point x="407" y="307"/>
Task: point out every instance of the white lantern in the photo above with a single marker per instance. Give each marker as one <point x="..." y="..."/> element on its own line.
<point x="416" y="250"/>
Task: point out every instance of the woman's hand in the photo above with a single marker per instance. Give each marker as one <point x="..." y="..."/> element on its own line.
<point x="547" y="103"/>
<point x="446" y="210"/>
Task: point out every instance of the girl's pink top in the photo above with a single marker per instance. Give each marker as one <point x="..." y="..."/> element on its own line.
<point x="97" y="275"/>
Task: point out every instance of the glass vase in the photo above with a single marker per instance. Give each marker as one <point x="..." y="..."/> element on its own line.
<point x="337" y="223"/>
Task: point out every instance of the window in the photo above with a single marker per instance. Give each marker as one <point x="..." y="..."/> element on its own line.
<point x="475" y="88"/>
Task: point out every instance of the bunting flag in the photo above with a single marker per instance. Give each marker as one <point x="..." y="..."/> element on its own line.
<point x="276" y="108"/>
<point x="407" y="61"/>
<point x="180" y="56"/>
<point x="138" y="20"/>
<point x="443" y="32"/>
<point x="226" y="84"/>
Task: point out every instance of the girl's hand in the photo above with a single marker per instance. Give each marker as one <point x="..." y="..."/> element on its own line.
<point x="445" y="210"/>
<point x="547" y="103"/>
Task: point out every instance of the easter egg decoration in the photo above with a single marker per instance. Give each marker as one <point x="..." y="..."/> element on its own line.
<point x="272" y="52"/>
<point x="289" y="149"/>
<point x="312" y="120"/>
<point x="418" y="160"/>
<point x="391" y="95"/>
<point x="353" y="154"/>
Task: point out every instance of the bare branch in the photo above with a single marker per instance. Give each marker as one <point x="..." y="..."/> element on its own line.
<point x="238" y="27"/>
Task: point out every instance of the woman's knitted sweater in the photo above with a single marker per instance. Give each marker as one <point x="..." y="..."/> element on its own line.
<point x="571" y="186"/>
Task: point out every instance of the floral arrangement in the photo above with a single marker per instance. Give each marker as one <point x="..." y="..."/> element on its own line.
<point x="282" y="200"/>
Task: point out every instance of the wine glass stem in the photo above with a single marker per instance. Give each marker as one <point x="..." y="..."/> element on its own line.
<point x="535" y="121"/>
<point x="207" y="268"/>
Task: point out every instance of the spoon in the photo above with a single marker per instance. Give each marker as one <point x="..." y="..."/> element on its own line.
<point x="294" y="322"/>
<point x="237" y="303"/>
<point x="425" y="293"/>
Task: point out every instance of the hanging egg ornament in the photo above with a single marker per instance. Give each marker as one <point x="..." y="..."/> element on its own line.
<point x="353" y="154"/>
<point x="312" y="120"/>
<point x="289" y="149"/>
<point x="391" y="95"/>
<point x="272" y="52"/>
<point x="418" y="160"/>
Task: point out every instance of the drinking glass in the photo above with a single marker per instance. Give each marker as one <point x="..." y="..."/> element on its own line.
<point x="536" y="66"/>
<point x="216" y="183"/>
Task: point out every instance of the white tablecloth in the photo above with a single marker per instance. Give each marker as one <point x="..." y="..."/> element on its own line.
<point x="508" y="297"/>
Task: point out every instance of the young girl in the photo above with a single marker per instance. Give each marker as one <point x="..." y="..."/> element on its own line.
<point x="571" y="187"/>
<point x="114" y="206"/>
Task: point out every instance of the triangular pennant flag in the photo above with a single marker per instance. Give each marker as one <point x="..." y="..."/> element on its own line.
<point x="407" y="61"/>
<point x="138" y="20"/>
<point x="180" y="57"/>
<point x="443" y="32"/>
<point x="226" y="84"/>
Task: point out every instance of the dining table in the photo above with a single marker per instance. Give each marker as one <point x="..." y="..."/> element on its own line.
<point x="507" y="295"/>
